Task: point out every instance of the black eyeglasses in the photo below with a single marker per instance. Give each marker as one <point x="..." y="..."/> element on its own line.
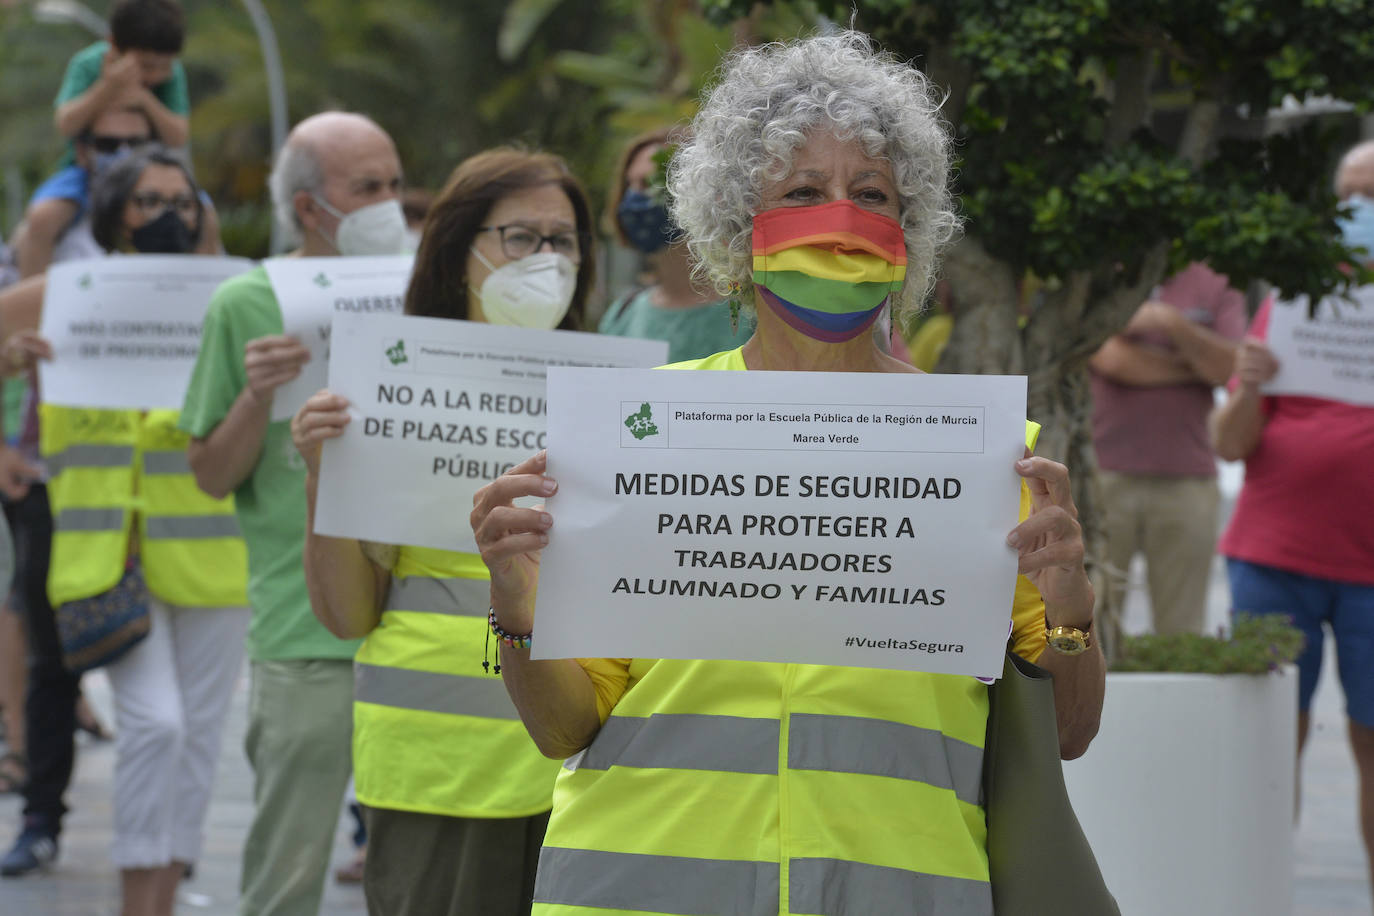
<point x="521" y="241"/>
<point x="109" y="143"/>
<point x="153" y="204"/>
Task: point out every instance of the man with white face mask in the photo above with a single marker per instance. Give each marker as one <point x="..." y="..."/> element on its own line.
<point x="336" y="187"/>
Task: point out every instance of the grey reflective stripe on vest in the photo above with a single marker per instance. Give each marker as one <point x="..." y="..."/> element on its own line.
<point x="657" y="884"/>
<point x="191" y="527"/>
<point x="458" y="597"/>
<point x="426" y="691"/>
<point x="89" y="456"/>
<point x="69" y="520"/>
<point x="166" y="462"/>
<point x="835" y="887"/>
<point x="731" y="744"/>
<point x="852" y="744"/>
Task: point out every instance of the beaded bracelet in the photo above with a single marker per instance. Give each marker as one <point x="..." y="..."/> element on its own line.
<point x="510" y="639"/>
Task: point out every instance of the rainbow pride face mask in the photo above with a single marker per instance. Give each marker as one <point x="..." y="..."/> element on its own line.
<point x="828" y="270"/>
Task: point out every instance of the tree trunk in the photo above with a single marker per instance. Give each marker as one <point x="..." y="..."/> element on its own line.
<point x="1052" y="349"/>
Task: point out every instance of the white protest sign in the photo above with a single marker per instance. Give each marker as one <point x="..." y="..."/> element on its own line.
<point x="311" y="291"/>
<point x="1330" y="355"/>
<point x="840" y="519"/>
<point x="125" y="330"/>
<point x="440" y="407"/>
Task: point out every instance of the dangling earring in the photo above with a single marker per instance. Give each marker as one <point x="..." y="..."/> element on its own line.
<point x="734" y="317"/>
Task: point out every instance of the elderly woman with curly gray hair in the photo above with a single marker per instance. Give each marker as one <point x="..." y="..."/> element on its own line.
<point x="814" y="190"/>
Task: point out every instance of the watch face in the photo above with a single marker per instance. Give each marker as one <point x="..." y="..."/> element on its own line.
<point x="1066" y="644"/>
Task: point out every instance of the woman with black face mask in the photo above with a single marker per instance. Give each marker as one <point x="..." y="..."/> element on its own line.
<point x="136" y="542"/>
<point x="689" y="316"/>
<point x="147" y="203"/>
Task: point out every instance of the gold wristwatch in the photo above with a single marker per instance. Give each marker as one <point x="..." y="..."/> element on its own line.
<point x="1068" y="640"/>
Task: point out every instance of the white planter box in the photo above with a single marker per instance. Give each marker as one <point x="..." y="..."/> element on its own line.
<point x="1186" y="794"/>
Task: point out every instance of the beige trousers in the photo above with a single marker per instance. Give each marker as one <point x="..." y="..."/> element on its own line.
<point x="1173" y="521"/>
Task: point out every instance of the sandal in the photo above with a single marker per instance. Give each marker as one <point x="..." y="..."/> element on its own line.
<point x="87" y="722"/>
<point x="352" y="873"/>
<point x="14" y="773"/>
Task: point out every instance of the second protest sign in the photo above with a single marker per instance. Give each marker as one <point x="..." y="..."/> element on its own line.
<point x="440" y="407"/>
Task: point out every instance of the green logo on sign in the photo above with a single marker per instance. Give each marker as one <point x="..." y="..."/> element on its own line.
<point x="322" y="281"/>
<point x="84" y="281"/>
<point x="397" y="354"/>
<point x="641" y="424"/>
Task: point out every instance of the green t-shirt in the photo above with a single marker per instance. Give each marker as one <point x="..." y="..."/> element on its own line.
<point x="691" y="332"/>
<point x="84" y="69"/>
<point x="270" y="503"/>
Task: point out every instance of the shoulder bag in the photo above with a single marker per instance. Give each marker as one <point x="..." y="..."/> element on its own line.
<point x="1039" y="860"/>
<point x="96" y="631"/>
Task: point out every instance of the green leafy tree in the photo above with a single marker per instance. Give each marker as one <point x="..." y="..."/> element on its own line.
<point x="446" y="80"/>
<point x="1104" y="144"/>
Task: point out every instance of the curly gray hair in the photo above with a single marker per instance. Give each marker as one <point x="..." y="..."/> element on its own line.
<point x="760" y="112"/>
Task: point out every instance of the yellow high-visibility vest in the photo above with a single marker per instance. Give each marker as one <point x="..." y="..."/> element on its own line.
<point x="107" y="467"/>
<point x="761" y="788"/>
<point x="754" y="789"/>
<point x="432" y="732"/>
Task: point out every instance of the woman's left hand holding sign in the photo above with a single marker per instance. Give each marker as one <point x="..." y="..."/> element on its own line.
<point x="323" y="416"/>
<point x="1050" y="544"/>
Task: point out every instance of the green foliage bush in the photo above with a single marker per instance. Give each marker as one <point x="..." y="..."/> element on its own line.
<point x="246" y="229"/>
<point x="1257" y="644"/>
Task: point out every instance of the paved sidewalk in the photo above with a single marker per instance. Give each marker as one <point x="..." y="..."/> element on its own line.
<point x="85" y="884"/>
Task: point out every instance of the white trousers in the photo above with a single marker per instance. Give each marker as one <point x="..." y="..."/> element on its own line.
<point x="171" y="695"/>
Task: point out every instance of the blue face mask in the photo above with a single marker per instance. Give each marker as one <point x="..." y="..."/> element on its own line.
<point x="103" y="161"/>
<point x="1358" y="229"/>
<point x="645" y="222"/>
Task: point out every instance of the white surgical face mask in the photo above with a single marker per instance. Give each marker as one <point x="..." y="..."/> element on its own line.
<point x="533" y="292"/>
<point x="378" y="228"/>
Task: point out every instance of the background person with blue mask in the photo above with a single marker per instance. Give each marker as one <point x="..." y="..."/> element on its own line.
<point x="1301" y="540"/>
<point x="1355" y="188"/>
<point x="671" y="307"/>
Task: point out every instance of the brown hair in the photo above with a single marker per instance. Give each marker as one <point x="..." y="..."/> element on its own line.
<point x="439" y="282"/>
<point x="610" y="221"/>
<point x="148" y="25"/>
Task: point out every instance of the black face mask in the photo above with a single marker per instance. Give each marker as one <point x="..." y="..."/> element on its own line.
<point x="165" y="235"/>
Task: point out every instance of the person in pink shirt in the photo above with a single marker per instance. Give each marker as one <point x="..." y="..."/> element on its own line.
<point x="1301" y="541"/>
<point x="1152" y="391"/>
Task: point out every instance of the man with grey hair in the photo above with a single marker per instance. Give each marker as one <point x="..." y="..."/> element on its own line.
<point x="335" y="185"/>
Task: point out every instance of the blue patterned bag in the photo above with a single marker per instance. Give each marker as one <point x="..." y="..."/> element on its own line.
<point x="98" y="630"/>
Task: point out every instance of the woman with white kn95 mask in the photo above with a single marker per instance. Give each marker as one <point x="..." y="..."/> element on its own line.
<point x="456" y="798"/>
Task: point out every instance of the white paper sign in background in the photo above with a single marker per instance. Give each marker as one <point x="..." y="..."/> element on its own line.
<point x="440" y="407"/>
<point x="1329" y="356"/>
<point x="311" y="291"/>
<point x="126" y="330"/>
<point x="842" y="519"/>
